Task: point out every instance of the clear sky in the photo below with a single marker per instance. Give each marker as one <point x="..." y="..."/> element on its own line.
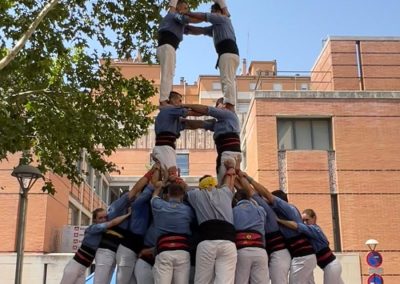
<point x="290" y="31"/>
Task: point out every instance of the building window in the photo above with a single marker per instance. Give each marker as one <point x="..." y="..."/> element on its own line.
<point x="104" y="192"/>
<point x="304" y="87"/>
<point x="304" y="134"/>
<point x="182" y="161"/>
<point x="73" y="215"/>
<point x="216" y="86"/>
<point x="242" y="107"/>
<point x="85" y="220"/>
<point x="97" y="187"/>
<point x="277" y="87"/>
<point x="252" y="86"/>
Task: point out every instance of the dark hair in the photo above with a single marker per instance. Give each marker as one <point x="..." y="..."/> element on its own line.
<point x="181" y="2"/>
<point x="310" y="213"/>
<point x="219" y="101"/>
<point x="216" y="8"/>
<point x="96" y="211"/>
<point x="175" y="190"/>
<point x="173" y="94"/>
<point x="242" y="194"/>
<point x="280" y="194"/>
<point x="203" y="177"/>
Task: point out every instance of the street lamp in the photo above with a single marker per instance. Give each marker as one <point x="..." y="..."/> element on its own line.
<point x="26" y="176"/>
<point x="371" y="243"/>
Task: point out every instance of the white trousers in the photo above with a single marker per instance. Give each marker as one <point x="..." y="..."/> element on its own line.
<point x="172" y="267"/>
<point x="143" y="272"/>
<point x="126" y="260"/>
<point x="74" y="273"/>
<point x="105" y="263"/>
<point x="252" y="266"/>
<point x="227" y="155"/>
<point x="228" y="64"/>
<point x="166" y="155"/>
<point x="167" y="56"/>
<point x="279" y="266"/>
<point x="302" y="268"/>
<point x="333" y="273"/>
<point x="215" y="262"/>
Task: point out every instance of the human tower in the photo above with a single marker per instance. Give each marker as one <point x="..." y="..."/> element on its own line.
<point x="229" y="229"/>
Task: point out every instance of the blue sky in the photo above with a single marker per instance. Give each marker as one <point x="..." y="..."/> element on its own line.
<point x="290" y="31"/>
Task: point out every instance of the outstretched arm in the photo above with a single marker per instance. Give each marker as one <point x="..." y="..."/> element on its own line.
<point x="198" y="16"/>
<point x="197" y="108"/>
<point x="118" y="220"/>
<point x="289" y="224"/>
<point x="262" y="190"/>
<point x="193" y="30"/>
<point x="194" y="124"/>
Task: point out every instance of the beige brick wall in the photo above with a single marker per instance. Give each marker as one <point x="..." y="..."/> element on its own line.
<point x="366" y="135"/>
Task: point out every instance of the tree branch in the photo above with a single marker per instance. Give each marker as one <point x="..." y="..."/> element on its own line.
<point x="21" y="42"/>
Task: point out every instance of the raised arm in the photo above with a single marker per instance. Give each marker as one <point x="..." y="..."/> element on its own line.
<point x="223" y="6"/>
<point x="244" y="182"/>
<point x="289" y="224"/>
<point x="141" y="183"/>
<point x="157" y="188"/>
<point x="172" y="6"/>
<point x="263" y="191"/>
<point x="230" y="175"/>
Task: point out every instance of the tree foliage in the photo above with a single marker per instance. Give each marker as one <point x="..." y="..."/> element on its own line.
<point x="56" y="99"/>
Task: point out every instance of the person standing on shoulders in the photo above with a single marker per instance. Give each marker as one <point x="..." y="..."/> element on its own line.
<point x="223" y="34"/>
<point x="226" y="129"/>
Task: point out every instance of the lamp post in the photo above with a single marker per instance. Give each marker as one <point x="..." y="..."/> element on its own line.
<point x="26" y="176"/>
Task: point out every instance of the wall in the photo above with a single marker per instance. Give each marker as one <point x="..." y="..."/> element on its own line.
<point x="366" y="134"/>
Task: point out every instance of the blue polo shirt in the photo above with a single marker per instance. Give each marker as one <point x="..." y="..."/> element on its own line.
<point x="249" y="216"/>
<point x="214" y="204"/>
<point x="221" y="28"/>
<point x="171" y="216"/>
<point x="118" y="208"/>
<point x="227" y="121"/>
<point x="168" y="120"/>
<point x="315" y="235"/>
<point x="174" y="23"/>
<point x="150" y="238"/>
<point x="140" y="208"/>
<point x="287" y="211"/>
<point x="271" y="224"/>
<point x="93" y="235"/>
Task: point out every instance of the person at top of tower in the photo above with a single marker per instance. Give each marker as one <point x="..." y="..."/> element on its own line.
<point x="170" y="34"/>
<point x="223" y="34"/>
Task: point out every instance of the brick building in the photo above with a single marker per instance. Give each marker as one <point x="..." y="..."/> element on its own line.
<point x="329" y="138"/>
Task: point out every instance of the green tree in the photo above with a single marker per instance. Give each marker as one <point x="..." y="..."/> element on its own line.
<point x="55" y="97"/>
